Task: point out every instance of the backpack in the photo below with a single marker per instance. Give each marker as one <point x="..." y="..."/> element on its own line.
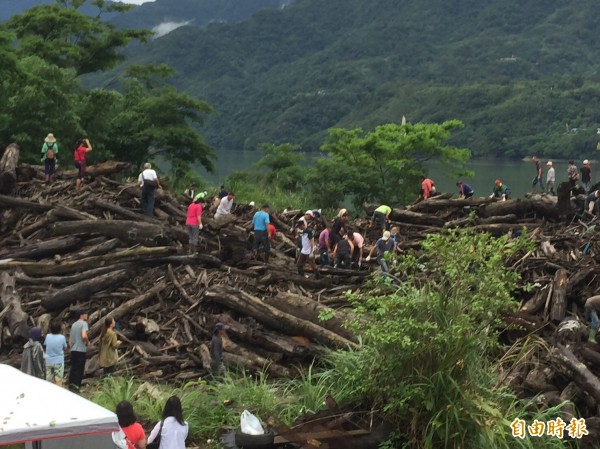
<point x="50" y="151"/>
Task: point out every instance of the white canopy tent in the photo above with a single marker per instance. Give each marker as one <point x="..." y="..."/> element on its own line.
<point x="44" y="415"/>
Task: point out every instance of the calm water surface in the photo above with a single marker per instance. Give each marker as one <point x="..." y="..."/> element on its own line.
<point x="516" y="174"/>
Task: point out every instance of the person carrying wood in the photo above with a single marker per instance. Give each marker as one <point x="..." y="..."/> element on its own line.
<point x="216" y="349"/>
<point x="307" y="250"/>
<point x="550" y="178"/>
<point x="78" y="342"/>
<point x="260" y="223"/>
<point x="83" y="146"/>
<point x="225" y="206"/>
<point x="384" y="245"/>
<point x="592" y="306"/>
<point x="193" y="222"/>
<point x="381" y="216"/>
<point x="49" y="152"/>
<point x="500" y="191"/>
<point x="148" y="181"/>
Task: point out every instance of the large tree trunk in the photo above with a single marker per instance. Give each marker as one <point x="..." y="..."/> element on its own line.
<point x="20" y="203"/>
<point x="405" y="216"/>
<point x="581" y="374"/>
<point x="272" y="317"/>
<point x="42" y="249"/>
<point x="85" y="289"/>
<point x="17" y="318"/>
<point x="122" y="211"/>
<point x="101" y="169"/>
<point x="8" y="168"/>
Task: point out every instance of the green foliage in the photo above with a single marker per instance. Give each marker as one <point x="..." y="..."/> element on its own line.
<point x="384" y="165"/>
<point x="284" y="166"/>
<point x="426" y="361"/>
<point x="62" y="35"/>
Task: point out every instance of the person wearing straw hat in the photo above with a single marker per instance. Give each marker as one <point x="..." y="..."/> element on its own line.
<point x="49" y="152"/>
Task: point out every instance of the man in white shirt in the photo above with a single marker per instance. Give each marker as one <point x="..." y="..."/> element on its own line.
<point x="148" y="181"/>
<point x="225" y="206"/>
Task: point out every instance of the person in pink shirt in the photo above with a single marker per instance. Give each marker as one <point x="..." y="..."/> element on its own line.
<point x="324" y="246"/>
<point x="193" y="222"/>
<point x="359" y="242"/>
<point x="83" y="146"/>
<point x="427" y="186"/>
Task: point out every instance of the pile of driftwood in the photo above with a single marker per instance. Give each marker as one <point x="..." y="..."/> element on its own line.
<point x="62" y="249"/>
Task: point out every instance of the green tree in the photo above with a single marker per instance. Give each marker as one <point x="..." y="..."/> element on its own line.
<point x="62" y="35"/>
<point x="383" y="165"/>
<point x="283" y="164"/>
<point x="429" y="343"/>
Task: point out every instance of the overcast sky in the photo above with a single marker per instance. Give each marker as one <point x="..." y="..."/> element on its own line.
<point x="136" y="2"/>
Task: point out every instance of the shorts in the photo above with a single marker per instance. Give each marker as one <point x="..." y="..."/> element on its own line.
<point x="81" y="167"/>
<point x="55" y="373"/>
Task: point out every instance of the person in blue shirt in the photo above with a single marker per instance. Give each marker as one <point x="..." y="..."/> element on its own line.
<point x="260" y="221"/>
<point x="465" y="190"/>
<point x="55" y="343"/>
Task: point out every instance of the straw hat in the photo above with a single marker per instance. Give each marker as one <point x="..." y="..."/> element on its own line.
<point x="50" y="138"/>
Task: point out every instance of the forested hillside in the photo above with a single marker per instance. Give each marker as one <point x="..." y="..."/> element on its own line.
<point x="518" y="74"/>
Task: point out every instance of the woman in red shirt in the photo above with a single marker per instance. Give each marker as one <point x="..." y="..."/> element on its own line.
<point x="80" y="152"/>
<point x="133" y="430"/>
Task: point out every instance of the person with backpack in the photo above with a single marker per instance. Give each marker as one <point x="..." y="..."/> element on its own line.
<point x="148" y="181"/>
<point x="49" y="152"/>
<point x="82" y="147"/>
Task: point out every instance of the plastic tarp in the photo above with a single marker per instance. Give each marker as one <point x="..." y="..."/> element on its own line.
<point x="32" y="409"/>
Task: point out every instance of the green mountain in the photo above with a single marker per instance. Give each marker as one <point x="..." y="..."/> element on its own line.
<point x="522" y="76"/>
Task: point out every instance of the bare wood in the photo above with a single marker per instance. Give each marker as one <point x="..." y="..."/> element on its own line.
<point x="42" y="249"/>
<point x="101" y="169"/>
<point x="20" y="203"/>
<point x="406" y="216"/>
<point x="582" y="376"/>
<point x="122" y="211"/>
<point x="272" y="317"/>
<point x="10" y="298"/>
<point x="434" y="204"/>
<point x="23" y="279"/>
<point x="270" y="366"/>
<point x="558" y="308"/>
<point x="8" y="168"/>
<point x="130" y="305"/>
<point x="83" y="290"/>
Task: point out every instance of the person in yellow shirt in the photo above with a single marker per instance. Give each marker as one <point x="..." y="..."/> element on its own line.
<point x="381" y="216"/>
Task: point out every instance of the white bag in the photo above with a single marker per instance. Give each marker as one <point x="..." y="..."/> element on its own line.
<point x="250" y="425"/>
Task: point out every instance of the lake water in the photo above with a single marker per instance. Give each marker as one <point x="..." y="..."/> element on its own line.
<point x="514" y="173"/>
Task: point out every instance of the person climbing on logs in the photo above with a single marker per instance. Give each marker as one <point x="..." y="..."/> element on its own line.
<point x="381" y="217"/>
<point x="342" y="253"/>
<point x="500" y="191"/>
<point x="82" y="147"/>
<point x="260" y="223"/>
<point x="592" y="204"/>
<point x="359" y="243"/>
<point x="225" y="206"/>
<point x="384" y="245"/>
<point x="148" y="181"/>
<point x="586" y="176"/>
<point x="427" y="188"/>
<point x="550" y="178"/>
<point x="193" y="222"/>
<point x="465" y="191"/>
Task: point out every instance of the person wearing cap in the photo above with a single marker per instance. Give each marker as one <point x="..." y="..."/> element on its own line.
<point x="381" y="216"/>
<point x="216" y="349"/>
<point x="592" y="203"/>
<point x="78" y="342"/>
<point x="592" y="307"/>
<point x="32" y="362"/>
<point x="464" y="190"/>
<point x="550" y="178"/>
<point x="49" y="152"/>
<point x="427" y="187"/>
<point x="193" y="221"/>
<point x="55" y="344"/>
<point x="260" y="223"/>
<point x="500" y="191"/>
<point x="308" y="216"/>
<point x="537" y="179"/>
<point x="148" y="181"/>
<point x="225" y="206"/>
<point x="586" y="175"/>
<point x="384" y="245"/>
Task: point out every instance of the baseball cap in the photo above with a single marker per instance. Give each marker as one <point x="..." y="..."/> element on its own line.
<point x="586" y="162"/>
<point x="386" y="235"/>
